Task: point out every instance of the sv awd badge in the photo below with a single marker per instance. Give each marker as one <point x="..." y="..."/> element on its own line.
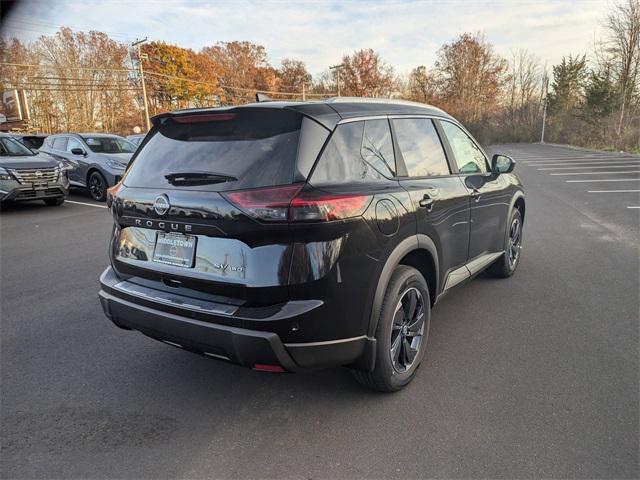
<point x="161" y="204"/>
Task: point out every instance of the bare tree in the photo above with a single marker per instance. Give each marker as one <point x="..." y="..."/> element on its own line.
<point x="622" y="43"/>
<point x="523" y="88"/>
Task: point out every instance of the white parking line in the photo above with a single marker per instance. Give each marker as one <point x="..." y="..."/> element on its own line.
<point x="87" y="204"/>
<point x="606" y="180"/>
<point x="594" y="173"/>
<point x="588" y="167"/>
<point x="581" y="160"/>
<point x="634" y="206"/>
<point x="613" y="191"/>
<point x="572" y="163"/>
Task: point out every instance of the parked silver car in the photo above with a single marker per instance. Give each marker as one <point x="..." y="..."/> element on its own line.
<point x="97" y="161"/>
<point x="136" y="139"/>
<point x="27" y="175"/>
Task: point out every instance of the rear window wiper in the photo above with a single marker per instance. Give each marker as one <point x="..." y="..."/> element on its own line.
<point x="198" y="178"/>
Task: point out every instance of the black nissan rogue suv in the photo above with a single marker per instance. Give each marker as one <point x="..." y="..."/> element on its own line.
<point x="288" y="236"/>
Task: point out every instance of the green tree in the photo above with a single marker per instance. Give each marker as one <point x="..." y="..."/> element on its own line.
<point x="567" y="87"/>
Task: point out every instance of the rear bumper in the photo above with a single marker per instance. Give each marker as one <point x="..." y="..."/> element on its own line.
<point x="217" y="339"/>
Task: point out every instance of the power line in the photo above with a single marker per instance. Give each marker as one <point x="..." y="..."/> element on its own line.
<point x="27" y="65"/>
<point x="38" y="23"/>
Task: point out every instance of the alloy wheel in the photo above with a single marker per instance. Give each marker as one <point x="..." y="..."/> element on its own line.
<point x="407" y="329"/>
<point x="515" y="234"/>
<point x="96" y="186"/>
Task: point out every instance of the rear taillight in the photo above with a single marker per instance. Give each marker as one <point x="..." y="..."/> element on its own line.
<point x="314" y="206"/>
<point x="290" y="204"/>
<point x="269" y="204"/>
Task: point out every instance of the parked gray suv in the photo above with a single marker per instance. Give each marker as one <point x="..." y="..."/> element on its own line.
<point x="97" y="161"/>
<point x="27" y="175"/>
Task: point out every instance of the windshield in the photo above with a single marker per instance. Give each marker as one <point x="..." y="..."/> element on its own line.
<point x="33" y="142"/>
<point x="109" y="145"/>
<point x="10" y="147"/>
<point x="221" y="151"/>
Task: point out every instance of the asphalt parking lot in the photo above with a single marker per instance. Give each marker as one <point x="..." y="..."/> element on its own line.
<point x="534" y="376"/>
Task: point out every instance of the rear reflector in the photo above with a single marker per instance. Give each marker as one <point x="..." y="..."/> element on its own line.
<point x="289" y="203"/>
<point x="268" y="368"/>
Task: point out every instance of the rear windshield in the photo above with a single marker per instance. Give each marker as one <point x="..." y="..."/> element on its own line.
<point x="243" y="148"/>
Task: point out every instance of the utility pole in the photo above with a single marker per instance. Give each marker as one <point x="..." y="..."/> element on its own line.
<point x="544" y="111"/>
<point x="337" y="69"/>
<point x="137" y="43"/>
<point x="304" y="97"/>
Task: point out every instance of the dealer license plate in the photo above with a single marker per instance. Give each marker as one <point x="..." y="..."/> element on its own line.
<point x="175" y="249"/>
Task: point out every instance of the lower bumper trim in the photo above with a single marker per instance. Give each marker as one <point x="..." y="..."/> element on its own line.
<point x="239" y="345"/>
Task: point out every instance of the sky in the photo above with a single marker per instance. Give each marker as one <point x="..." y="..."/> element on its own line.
<point x="406" y="33"/>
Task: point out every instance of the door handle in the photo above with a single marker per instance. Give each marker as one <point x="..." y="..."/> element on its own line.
<point x="475" y="194"/>
<point x="426" y="202"/>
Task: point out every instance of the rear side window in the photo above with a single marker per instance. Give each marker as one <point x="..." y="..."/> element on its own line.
<point x="377" y="146"/>
<point x="245" y="148"/>
<point x="420" y="147"/>
<point x="60" y="143"/>
<point x="109" y="145"/>
<point x="350" y="158"/>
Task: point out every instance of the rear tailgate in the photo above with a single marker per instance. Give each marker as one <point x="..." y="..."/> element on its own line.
<point x="190" y="161"/>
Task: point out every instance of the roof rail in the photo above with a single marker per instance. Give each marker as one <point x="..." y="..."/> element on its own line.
<point x="393" y="101"/>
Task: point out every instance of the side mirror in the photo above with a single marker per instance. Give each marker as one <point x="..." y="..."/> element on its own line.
<point x="78" y="151"/>
<point x="502" y="164"/>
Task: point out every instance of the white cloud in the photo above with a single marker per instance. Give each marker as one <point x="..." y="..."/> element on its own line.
<point x="406" y="33"/>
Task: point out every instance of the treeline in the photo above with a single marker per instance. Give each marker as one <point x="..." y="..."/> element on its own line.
<point x="88" y="81"/>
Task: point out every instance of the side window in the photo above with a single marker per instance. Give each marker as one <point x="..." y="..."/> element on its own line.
<point x="377" y="146"/>
<point x="341" y="160"/>
<point x="60" y="143"/>
<point x="73" y="143"/>
<point x="420" y="147"/>
<point x="469" y="157"/>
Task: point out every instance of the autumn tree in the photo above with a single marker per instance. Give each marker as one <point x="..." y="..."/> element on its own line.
<point x="293" y="75"/>
<point x="244" y="69"/>
<point x="179" y="77"/>
<point x="421" y="86"/>
<point x="364" y="74"/>
<point x="470" y="76"/>
<point x="84" y="72"/>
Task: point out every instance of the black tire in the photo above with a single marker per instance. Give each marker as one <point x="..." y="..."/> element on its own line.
<point x="54" y="202"/>
<point x="97" y="185"/>
<point x="507" y="264"/>
<point x="389" y="375"/>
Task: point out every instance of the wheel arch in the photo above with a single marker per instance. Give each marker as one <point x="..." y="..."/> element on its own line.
<point x="417" y="251"/>
<point x="518" y="202"/>
<point x="90" y="170"/>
